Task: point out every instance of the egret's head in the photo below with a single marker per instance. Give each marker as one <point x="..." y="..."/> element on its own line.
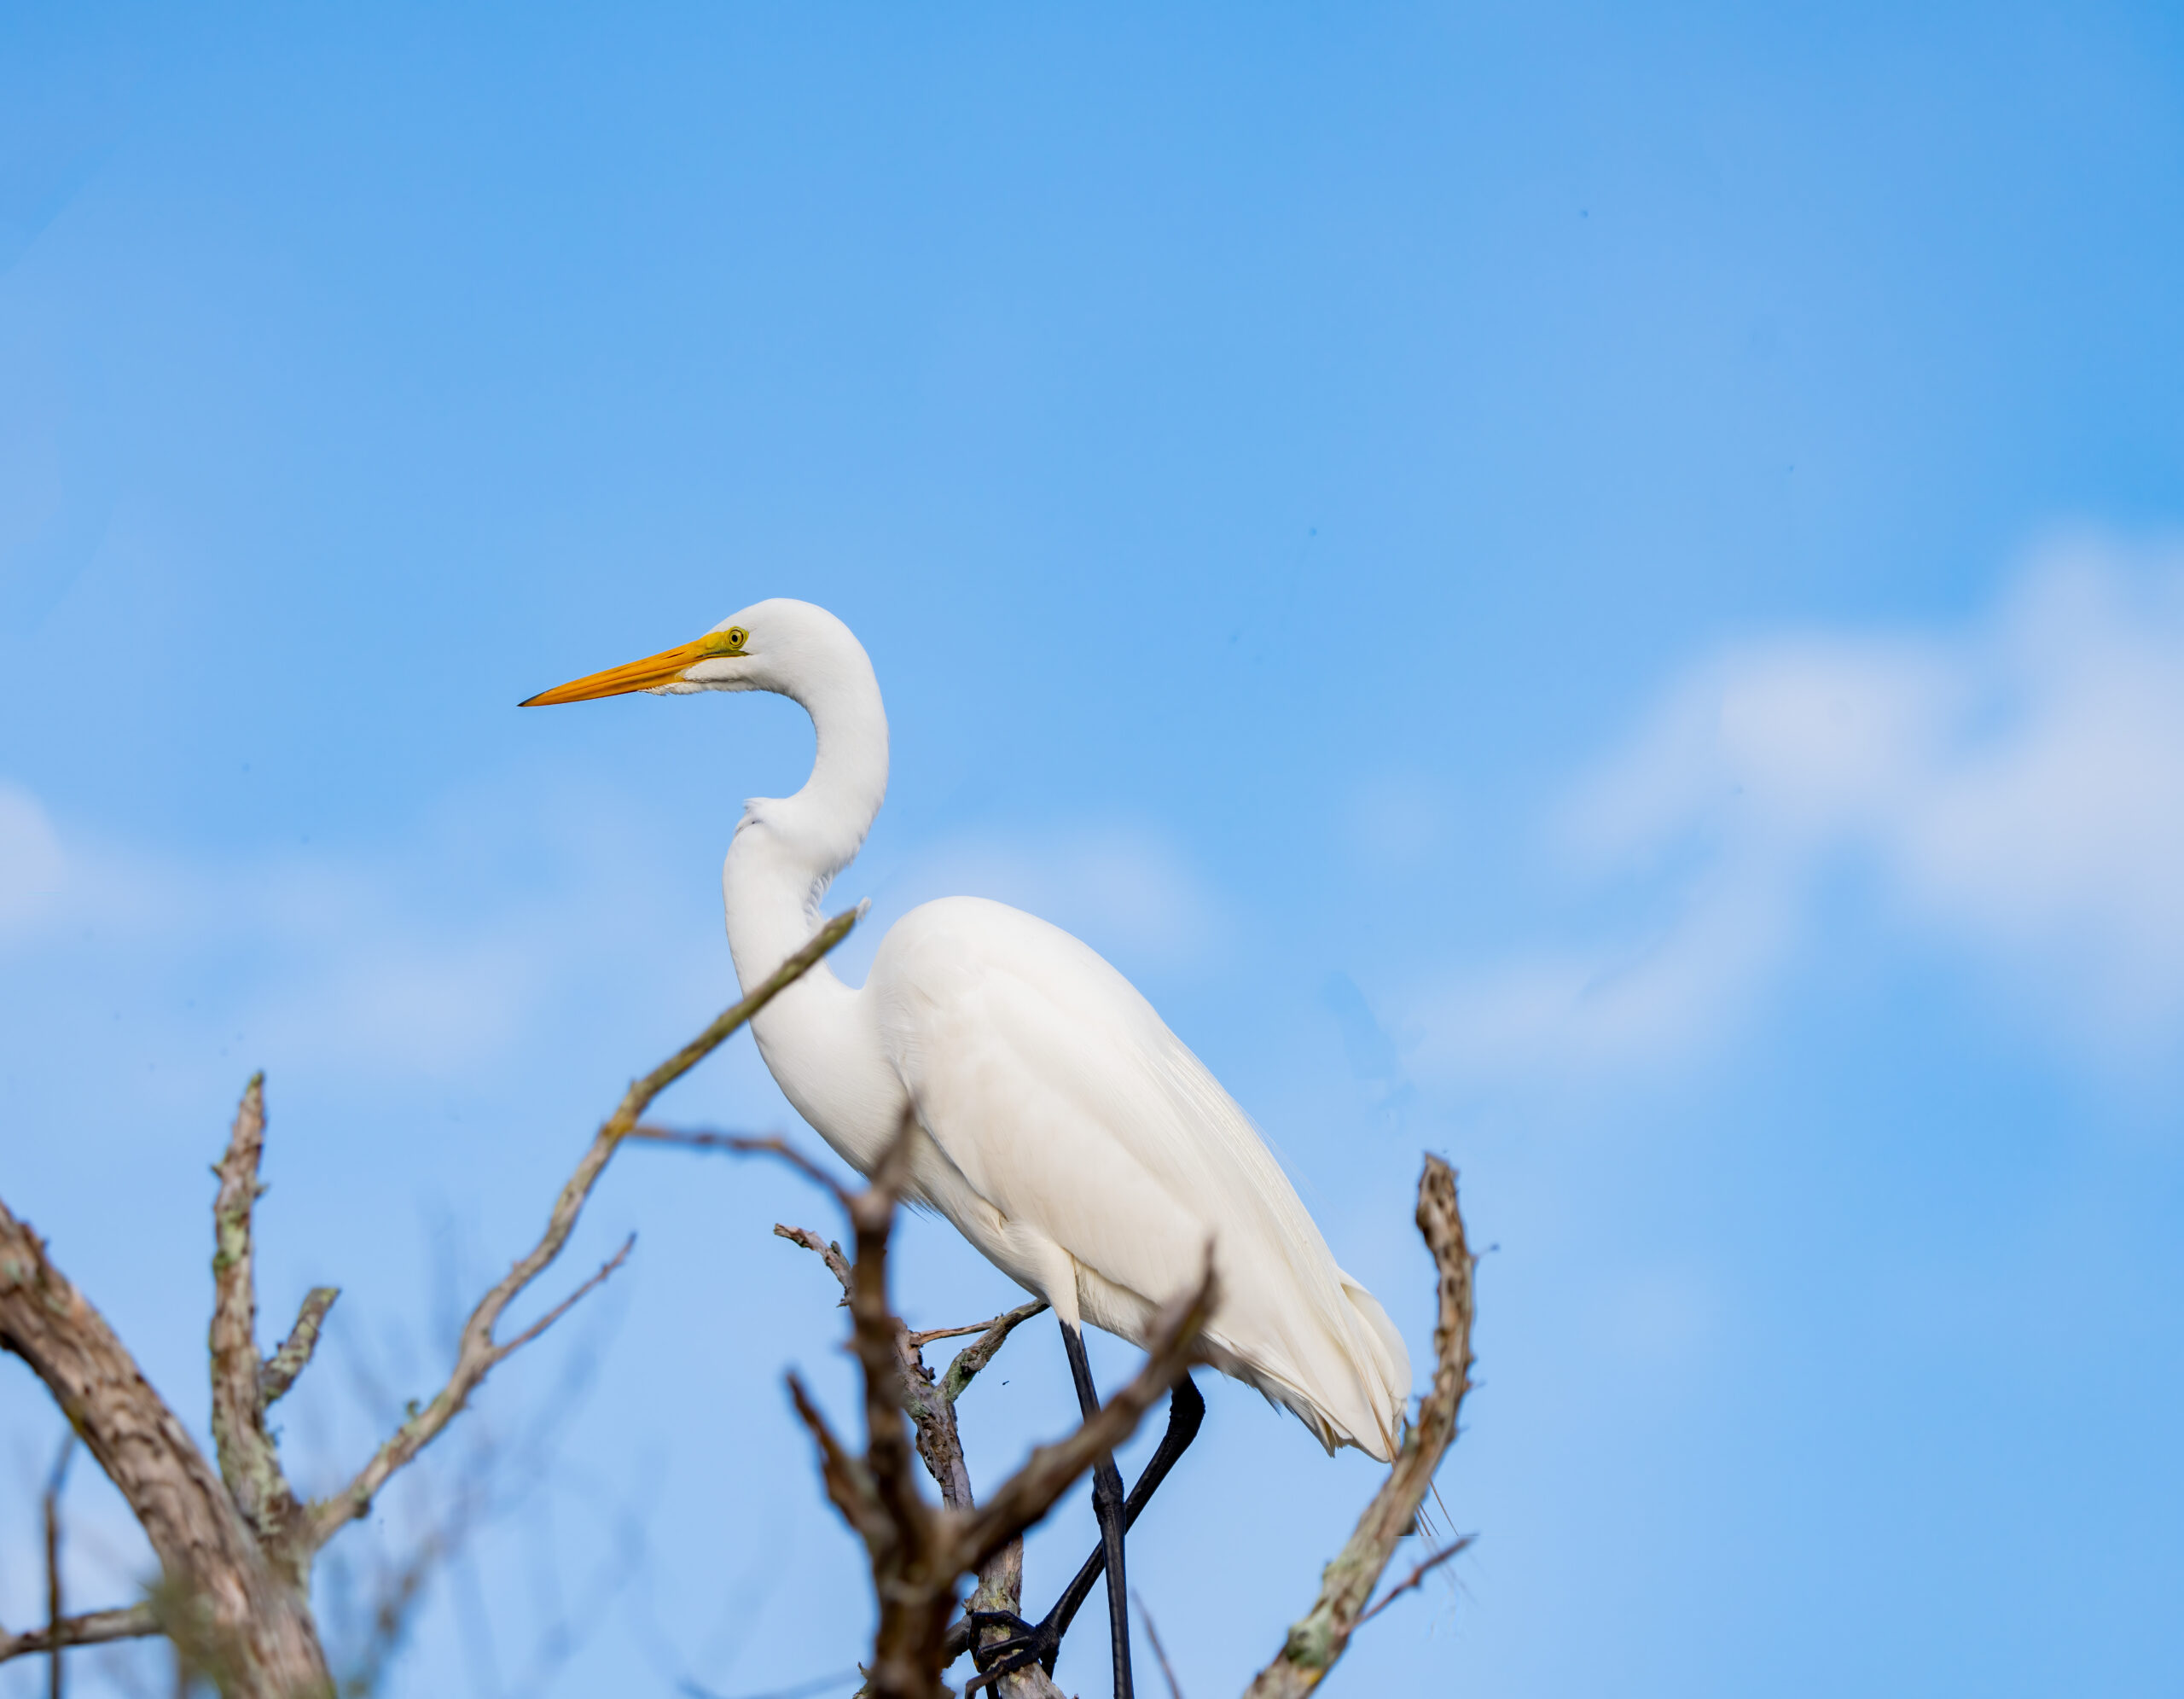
<point x="760" y="649"/>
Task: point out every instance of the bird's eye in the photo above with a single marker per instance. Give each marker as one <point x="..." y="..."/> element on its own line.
<point x="737" y="637"/>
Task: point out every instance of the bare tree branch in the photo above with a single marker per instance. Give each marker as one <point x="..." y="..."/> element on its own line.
<point x="566" y="1303"/>
<point x="55" y="1609"/>
<point x="248" y="1461"/>
<point x="928" y="1403"/>
<point x="746" y="1144"/>
<point x="1319" y="1639"/>
<point x="219" y="1600"/>
<point x="973" y="1357"/>
<point x="93" y="1628"/>
<point x="479" y="1350"/>
<point x="848" y="1482"/>
<point x="827" y="1250"/>
<point x="1030" y="1493"/>
<point x="917" y="1552"/>
<point x="930" y="1406"/>
<point x="874" y="1336"/>
<point x="1159" y="1651"/>
<point x="279" y="1371"/>
<point x="1415" y="1576"/>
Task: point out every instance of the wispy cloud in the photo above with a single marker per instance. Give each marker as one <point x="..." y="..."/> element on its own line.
<point x="433" y="956"/>
<point x="2013" y="790"/>
<point x="473" y="932"/>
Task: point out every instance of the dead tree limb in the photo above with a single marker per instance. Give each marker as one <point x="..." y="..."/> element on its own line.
<point x="280" y="1370"/>
<point x="918" y="1552"/>
<point x="92" y="1628"/>
<point x="930" y="1403"/>
<point x="248" y="1461"/>
<point x="234" y="1549"/>
<point x="1320" y="1637"/>
<point x="55" y="1609"/>
<point x="1418" y="1574"/>
<point x="479" y="1350"/>
<point x="1052" y="1470"/>
<point x="226" y="1610"/>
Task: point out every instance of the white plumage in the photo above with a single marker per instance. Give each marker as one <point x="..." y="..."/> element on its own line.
<point x="1063" y="1129"/>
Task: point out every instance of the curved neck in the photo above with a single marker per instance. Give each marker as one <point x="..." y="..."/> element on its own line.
<point x="787" y="851"/>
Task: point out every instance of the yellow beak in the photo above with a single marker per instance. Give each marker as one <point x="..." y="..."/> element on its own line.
<point x="663" y="668"/>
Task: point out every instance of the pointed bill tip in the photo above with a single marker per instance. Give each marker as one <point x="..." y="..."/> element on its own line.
<point x="654" y="670"/>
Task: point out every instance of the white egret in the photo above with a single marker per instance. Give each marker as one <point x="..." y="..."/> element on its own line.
<point x="1058" y="1123"/>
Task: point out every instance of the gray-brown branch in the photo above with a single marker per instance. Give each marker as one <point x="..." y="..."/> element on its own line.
<point x="248" y="1461"/>
<point x="930" y="1403"/>
<point x="92" y="1628"/>
<point x="1320" y="1637"/>
<point x="227" y="1612"/>
<point x="1052" y="1470"/>
<point x="280" y="1370"/>
<point x="478" y="1350"/>
<point x="917" y="1551"/>
<point x="927" y="1401"/>
<point x="1419" y="1573"/>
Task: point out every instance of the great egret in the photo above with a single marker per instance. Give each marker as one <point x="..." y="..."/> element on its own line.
<point x="1058" y="1123"/>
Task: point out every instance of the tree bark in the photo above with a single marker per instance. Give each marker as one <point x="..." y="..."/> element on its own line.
<point x="229" y="1616"/>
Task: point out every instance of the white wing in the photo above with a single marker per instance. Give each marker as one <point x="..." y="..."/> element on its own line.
<point x="1089" y="1150"/>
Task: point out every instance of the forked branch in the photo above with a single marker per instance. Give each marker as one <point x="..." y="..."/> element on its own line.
<point x="1051" y="1470"/>
<point x="92" y="1628"/>
<point x="248" y="1461"/>
<point x="478" y="1350"/>
<point x="918" y="1552"/>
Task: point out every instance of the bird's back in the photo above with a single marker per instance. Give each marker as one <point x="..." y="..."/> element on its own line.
<point x="1075" y="1124"/>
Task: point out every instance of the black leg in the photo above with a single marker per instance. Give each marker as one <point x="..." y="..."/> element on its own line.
<point x="1043" y="1643"/>
<point x="1186" y="1410"/>
<point x="1107" y="1506"/>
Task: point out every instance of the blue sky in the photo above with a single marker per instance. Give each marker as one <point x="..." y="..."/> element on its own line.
<point x="1594" y="589"/>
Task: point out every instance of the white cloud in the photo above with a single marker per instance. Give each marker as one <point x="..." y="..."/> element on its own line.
<point x="455" y="946"/>
<point x="415" y="965"/>
<point x="2015" y="788"/>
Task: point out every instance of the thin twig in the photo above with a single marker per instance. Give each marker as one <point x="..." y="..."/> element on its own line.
<point x="479" y="1350"/>
<point x="1159" y="1651"/>
<point x="1051" y="1469"/>
<point x="92" y="1628"/>
<point x="1317" y="1641"/>
<point x="568" y="1303"/>
<point x="54" y="1614"/>
<point x="922" y="1337"/>
<point x="828" y="1251"/>
<point x="968" y="1362"/>
<point x="746" y="1145"/>
<point x="925" y="1336"/>
<point x="1417" y="1575"/>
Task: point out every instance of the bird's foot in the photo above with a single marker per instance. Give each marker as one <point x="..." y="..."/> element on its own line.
<point x="1028" y="1644"/>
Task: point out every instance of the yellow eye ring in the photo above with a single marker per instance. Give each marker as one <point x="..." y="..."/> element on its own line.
<point x="729" y="642"/>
